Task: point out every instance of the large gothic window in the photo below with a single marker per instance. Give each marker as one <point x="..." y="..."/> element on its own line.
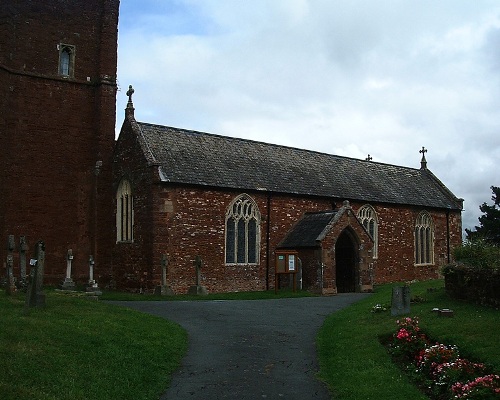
<point x="424" y="239"/>
<point x="242" y="231"/>
<point x="368" y="218"/>
<point x="124" y="212"/>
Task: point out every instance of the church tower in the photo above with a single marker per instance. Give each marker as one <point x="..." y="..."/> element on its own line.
<point x="57" y="119"/>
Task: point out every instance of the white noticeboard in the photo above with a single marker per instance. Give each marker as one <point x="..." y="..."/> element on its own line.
<point x="291" y="263"/>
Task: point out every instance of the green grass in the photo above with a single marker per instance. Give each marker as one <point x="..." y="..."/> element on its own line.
<point x="76" y="348"/>
<point x="356" y="366"/>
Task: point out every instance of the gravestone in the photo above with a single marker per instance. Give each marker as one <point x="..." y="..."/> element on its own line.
<point x="23" y="248"/>
<point x="198" y="289"/>
<point x="35" y="296"/>
<point x="68" y="283"/>
<point x="10" y="286"/>
<point x="400" y="300"/>
<point x="93" y="287"/>
<point x="164" y="289"/>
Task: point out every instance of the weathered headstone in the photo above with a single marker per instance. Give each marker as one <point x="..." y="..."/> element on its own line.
<point x="35" y="296"/>
<point x="92" y="287"/>
<point x="10" y="286"/>
<point x="68" y="283"/>
<point x="198" y="289"/>
<point x="164" y="289"/>
<point x="400" y="300"/>
<point x="23" y="248"/>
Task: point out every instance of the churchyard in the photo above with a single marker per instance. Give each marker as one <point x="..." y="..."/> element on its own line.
<point x="74" y="348"/>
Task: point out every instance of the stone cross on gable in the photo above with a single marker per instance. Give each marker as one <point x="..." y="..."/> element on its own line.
<point x="129" y="93"/>
<point x="423" y="161"/>
<point x="129" y="110"/>
<point x="369" y="158"/>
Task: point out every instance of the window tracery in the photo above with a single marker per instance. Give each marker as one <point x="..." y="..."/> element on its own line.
<point x="424" y="239"/>
<point x="242" y="231"/>
<point x="368" y="217"/>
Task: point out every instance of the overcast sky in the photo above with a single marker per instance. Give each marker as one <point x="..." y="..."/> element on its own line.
<point x="349" y="77"/>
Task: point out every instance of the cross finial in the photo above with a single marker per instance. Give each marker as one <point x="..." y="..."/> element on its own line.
<point x="129" y="93"/>
<point x="423" y="161"/>
<point x="369" y="158"/>
<point x="129" y="110"/>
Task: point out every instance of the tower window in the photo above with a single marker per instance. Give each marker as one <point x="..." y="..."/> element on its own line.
<point x="66" y="60"/>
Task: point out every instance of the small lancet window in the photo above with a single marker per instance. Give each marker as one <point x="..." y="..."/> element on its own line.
<point x="66" y="60"/>
<point x="424" y="239"/>
<point x="368" y="218"/>
<point x="124" y="212"/>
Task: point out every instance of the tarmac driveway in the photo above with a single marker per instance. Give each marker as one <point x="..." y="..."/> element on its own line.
<point x="255" y="349"/>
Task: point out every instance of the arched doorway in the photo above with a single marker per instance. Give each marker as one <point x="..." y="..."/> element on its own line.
<point x="346" y="261"/>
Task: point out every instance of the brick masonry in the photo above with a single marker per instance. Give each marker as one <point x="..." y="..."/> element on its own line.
<point x="55" y="129"/>
<point x="184" y="222"/>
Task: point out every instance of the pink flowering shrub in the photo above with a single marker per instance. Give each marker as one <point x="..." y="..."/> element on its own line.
<point x="433" y="356"/>
<point x="438" y="368"/>
<point x="482" y="388"/>
<point x="408" y="341"/>
<point x="459" y="370"/>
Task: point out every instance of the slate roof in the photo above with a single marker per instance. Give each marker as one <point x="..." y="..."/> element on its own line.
<point x="307" y="231"/>
<point x="197" y="158"/>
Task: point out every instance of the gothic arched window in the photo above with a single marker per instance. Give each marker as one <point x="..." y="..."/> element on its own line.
<point x="424" y="239"/>
<point x="242" y="231"/>
<point x="368" y="218"/>
<point x="124" y="212"/>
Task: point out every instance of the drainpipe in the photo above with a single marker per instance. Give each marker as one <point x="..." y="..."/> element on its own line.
<point x="268" y="239"/>
<point x="448" y="234"/>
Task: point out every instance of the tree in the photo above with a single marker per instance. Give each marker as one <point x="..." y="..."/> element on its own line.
<point x="489" y="227"/>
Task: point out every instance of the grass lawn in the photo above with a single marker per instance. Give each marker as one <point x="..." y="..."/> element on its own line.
<point x="81" y="349"/>
<point x="75" y="348"/>
<point x="356" y="366"/>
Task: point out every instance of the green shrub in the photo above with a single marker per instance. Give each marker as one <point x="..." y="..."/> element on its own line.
<point x="478" y="253"/>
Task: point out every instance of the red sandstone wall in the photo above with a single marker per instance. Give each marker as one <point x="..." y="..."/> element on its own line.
<point x="189" y="221"/>
<point x="54" y="130"/>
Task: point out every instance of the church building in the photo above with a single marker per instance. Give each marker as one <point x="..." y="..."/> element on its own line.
<point x="248" y="210"/>
<point x="238" y="204"/>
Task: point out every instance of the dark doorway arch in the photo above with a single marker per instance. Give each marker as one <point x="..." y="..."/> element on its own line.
<point x="346" y="261"/>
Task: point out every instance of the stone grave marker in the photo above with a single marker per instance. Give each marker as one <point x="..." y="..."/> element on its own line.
<point x="164" y="289"/>
<point x="198" y="289"/>
<point x="35" y="296"/>
<point x="400" y="300"/>
<point x="10" y="286"/>
<point x="68" y="283"/>
<point x="23" y="248"/>
<point x="93" y="287"/>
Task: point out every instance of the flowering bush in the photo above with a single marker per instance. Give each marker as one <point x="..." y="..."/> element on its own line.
<point x="439" y="369"/>
<point x="482" y="388"/>
<point x="459" y="370"/>
<point x="408" y="341"/>
<point x="431" y="357"/>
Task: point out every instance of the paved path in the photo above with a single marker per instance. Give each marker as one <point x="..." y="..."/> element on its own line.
<point x="256" y="349"/>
